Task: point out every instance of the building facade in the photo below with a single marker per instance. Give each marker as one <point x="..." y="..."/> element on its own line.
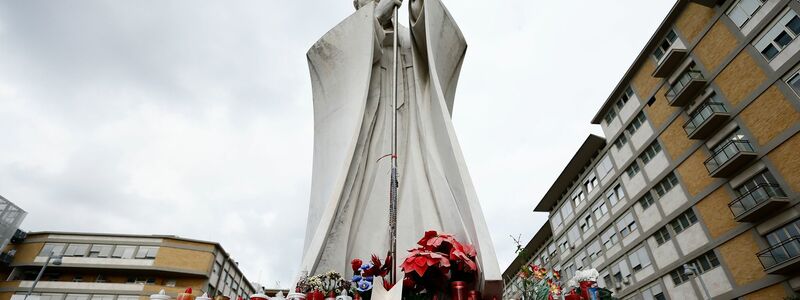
<point x="700" y="166"/>
<point x="11" y="216"/>
<point x="119" y="267"/>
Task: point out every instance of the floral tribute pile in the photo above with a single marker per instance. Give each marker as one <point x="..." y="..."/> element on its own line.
<point x="541" y="284"/>
<point x="440" y="267"/>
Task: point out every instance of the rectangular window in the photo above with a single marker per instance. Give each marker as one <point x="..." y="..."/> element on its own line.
<point x="706" y="262"/>
<point x="662" y="236"/>
<point x="637" y="123"/>
<point x="650" y="152"/>
<point x="779" y="36"/>
<point x="666" y="185"/>
<point x="563" y="245"/>
<point x="566" y="210"/>
<point x="624" y="98"/>
<point x="100" y="251"/>
<point x="590" y="184"/>
<point x="678" y="276"/>
<point x="54" y="248"/>
<point x="555" y="219"/>
<point x="626" y="224"/>
<point x="578" y="197"/>
<point x="610" y="115"/>
<point x="586" y="223"/>
<point x="646" y="201"/>
<point x="621" y="141"/>
<point x="763" y="180"/>
<point x="683" y="221"/>
<point x="609" y="238"/>
<point x="665" y="44"/>
<point x="551" y="249"/>
<point x="146" y="252"/>
<point x="615" y="194"/>
<point x="599" y="209"/>
<point x="594" y="250"/>
<point x="654" y="293"/>
<point x="574" y="235"/>
<point x="76" y="250"/>
<point x="604" y="167"/>
<point x="632" y="170"/>
<point x="124" y="252"/>
<point x="639" y="259"/>
<point x="783" y="234"/>
<point x="741" y="11"/>
<point x="794" y="82"/>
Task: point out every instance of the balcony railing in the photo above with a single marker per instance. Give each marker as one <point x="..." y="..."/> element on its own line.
<point x="730" y="157"/>
<point x="671" y="61"/>
<point x="774" y="258"/>
<point x="685" y="88"/>
<point x="757" y="200"/>
<point x="705" y="120"/>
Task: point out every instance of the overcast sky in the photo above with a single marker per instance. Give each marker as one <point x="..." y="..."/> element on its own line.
<point x="194" y="118"/>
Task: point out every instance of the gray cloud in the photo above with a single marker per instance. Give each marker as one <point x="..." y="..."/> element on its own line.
<point x="195" y="119"/>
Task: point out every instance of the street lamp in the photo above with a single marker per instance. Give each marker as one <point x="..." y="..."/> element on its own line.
<point x="690" y="270"/>
<point x="55" y="259"/>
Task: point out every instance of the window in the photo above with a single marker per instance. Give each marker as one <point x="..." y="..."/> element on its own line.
<point x="683" y="221"/>
<point x="77" y="250"/>
<point x="666" y="184"/>
<point x="662" y="236"/>
<point x="639" y="259"/>
<point x="563" y="245"/>
<point x="704" y="263"/>
<point x="646" y="201"/>
<point x="794" y="82"/>
<point x="609" y="238"/>
<point x="678" y="276"/>
<point x="654" y="293"/>
<point x="665" y="44"/>
<point x="100" y="251"/>
<point x="586" y="223"/>
<point x="621" y="141"/>
<point x="599" y="209"/>
<point x="574" y="235"/>
<point x="147" y="252"/>
<point x="637" y="123"/>
<point x="55" y="249"/>
<point x="555" y="219"/>
<point x="594" y="250"/>
<point x="741" y="11"/>
<point x="615" y="194"/>
<point x="626" y="224"/>
<point x="762" y="180"/>
<point x="620" y="272"/>
<point x="124" y="252"/>
<point x="610" y="115"/>
<point x="722" y="145"/>
<point x="590" y="185"/>
<point x="578" y="197"/>
<point x="604" y="167"/>
<point x="783" y="234"/>
<point x="779" y="36"/>
<point x="632" y="170"/>
<point x="566" y="210"/>
<point x="624" y="98"/>
<point x="551" y="249"/>
<point x="651" y="152"/>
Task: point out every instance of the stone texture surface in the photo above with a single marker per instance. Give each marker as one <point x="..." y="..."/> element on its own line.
<point x="199" y="261"/>
<point x="660" y="111"/>
<point x="715" y="46"/>
<point x="694" y="173"/>
<point x="787" y="161"/>
<point x="739" y="254"/>
<point x="740" y="78"/>
<point x="693" y="19"/>
<point x="675" y="139"/>
<point x="777" y="291"/>
<point x="714" y="211"/>
<point x="769" y="115"/>
<point x="643" y="82"/>
<point x="27" y="252"/>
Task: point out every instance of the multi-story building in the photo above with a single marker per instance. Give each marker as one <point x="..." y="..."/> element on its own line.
<point x="119" y="267"/>
<point x="700" y="167"/>
<point x="11" y="217"/>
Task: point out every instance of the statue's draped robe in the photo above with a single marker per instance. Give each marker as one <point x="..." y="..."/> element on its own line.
<point x="351" y="71"/>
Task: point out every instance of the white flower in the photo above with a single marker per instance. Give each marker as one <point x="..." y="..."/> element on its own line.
<point x="586" y="275"/>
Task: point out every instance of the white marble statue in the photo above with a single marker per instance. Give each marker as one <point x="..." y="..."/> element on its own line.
<point x="351" y="72"/>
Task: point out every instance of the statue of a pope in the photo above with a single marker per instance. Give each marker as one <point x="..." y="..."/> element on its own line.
<point x="352" y="78"/>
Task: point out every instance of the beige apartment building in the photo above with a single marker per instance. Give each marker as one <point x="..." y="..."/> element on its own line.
<point x="119" y="267"/>
<point x="699" y="169"/>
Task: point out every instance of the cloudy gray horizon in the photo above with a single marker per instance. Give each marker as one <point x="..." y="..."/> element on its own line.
<point x="194" y="118"/>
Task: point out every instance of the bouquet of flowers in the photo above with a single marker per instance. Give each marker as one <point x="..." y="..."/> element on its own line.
<point x="584" y="287"/>
<point x="540" y="283"/>
<point x="364" y="274"/>
<point x="317" y="286"/>
<point x="439" y="260"/>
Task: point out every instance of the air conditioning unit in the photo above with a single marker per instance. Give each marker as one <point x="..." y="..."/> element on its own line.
<point x="19" y="236"/>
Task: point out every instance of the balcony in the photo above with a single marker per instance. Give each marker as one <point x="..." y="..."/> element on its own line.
<point x="686" y="88"/>
<point x="706" y="120"/>
<point x="670" y="62"/>
<point x="708" y="3"/>
<point x="783" y="258"/>
<point x="759" y="203"/>
<point x="730" y="158"/>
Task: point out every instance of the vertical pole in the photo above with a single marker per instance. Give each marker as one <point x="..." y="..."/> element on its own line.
<point x="38" y="277"/>
<point x="393" y="183"/>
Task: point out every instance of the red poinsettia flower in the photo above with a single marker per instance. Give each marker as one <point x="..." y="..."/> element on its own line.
<point x="419" y="260"/>
<point x="438" y="241"/>
<point x="356" y="264"/>
<point x="463" y="256"/>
